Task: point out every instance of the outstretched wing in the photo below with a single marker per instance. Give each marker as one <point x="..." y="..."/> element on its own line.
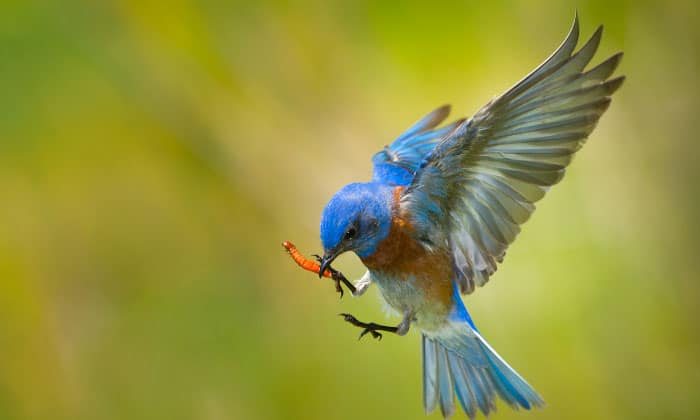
<point x="478" y="185"/>
<point x="397" y="164"/>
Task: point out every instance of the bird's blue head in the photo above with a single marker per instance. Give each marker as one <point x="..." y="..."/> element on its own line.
<point x="357" y="218"/>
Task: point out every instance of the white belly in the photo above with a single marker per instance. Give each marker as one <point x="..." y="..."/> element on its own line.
<point x="406" y="296"/>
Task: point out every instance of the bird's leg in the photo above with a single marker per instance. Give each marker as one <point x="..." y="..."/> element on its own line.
<point x="362" y="284"/>
<point x="371" y="327"/>
<point x="405" y="324"/>
<point x="374" y="329"/>
<point x="338" y="277"/>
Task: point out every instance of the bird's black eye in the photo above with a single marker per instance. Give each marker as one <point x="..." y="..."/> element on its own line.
<point x="350" y="234"/>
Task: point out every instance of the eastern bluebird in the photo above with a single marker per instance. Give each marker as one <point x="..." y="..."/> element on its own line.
<point x="444" y="204"/>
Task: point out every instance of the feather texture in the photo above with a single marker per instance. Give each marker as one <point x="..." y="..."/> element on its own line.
<point x="477" y="186"/>
<point x="458" y="361"/>
<point x="398" y="162"/>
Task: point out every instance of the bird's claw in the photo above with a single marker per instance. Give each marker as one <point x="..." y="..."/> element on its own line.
<point x="368" y="328"/>
<point x="338" y="277"/>
<point x="374" y="333"/>
<point x="338" y="288"/>
<point x="349" y="318"/>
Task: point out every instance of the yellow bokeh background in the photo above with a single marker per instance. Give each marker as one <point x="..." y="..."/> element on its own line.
<point x="153" y="155"/>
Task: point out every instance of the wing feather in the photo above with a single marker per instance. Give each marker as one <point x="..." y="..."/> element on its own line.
<point x="398" y="162"/>
<point x="475" y="188"/>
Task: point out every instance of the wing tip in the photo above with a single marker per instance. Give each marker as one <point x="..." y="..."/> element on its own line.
<point x="612" y="85"/>
<point x="439" y="114"/>
<point x="444" y="108"/>
<point x="574" y="24"/>
<point x="615" y="59"/>
<point x="574" y="31"/>
<point x="598" y="34"/>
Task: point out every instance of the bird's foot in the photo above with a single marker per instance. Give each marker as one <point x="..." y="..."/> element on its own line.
<point x="370" y="328"/>
<point x="338" y="278"/>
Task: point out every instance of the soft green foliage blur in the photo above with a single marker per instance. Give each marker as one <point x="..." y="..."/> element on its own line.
<point x="153" y="155"/>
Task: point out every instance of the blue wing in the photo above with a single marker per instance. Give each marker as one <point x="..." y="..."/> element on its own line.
<point x="397" y="164"/>
<point x="475" y="189"/>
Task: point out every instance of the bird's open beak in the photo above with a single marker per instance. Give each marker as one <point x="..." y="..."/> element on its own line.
<point x="327" y="259"/>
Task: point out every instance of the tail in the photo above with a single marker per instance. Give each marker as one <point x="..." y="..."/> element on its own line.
<point x="457" y="360"/>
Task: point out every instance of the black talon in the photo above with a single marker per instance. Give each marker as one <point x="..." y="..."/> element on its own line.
<point x="337" y="277"/>
<point x="374" y="334"/>
<point x="338" y="288"/>
<point x="370" y="328"/>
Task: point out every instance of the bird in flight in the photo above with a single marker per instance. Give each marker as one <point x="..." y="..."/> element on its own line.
<point x="444" y="204"/>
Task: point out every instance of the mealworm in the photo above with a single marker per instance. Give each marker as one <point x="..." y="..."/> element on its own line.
<point x="304" y="262"/>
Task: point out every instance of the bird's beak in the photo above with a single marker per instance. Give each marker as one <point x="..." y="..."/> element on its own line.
<point x="327" y="259"/>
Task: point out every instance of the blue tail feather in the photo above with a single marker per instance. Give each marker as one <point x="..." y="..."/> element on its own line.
<point x="458" y="361"/>
<point x="447" y="396"/>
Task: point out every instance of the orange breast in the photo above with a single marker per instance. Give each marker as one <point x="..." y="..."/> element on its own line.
<point x="401" y="257"/>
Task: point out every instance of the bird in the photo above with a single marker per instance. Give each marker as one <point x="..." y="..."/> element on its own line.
<point x="444" y="204"/>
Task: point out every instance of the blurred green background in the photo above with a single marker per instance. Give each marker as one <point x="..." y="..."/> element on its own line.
<point x="153" y="155"/>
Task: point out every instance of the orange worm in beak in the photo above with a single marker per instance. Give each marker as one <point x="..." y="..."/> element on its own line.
<point x="303" y="262"/>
